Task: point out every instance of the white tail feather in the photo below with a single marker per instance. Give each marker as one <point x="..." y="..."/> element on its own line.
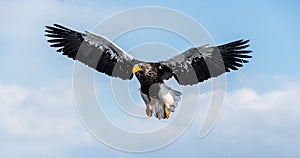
<point x="167" y="98"/>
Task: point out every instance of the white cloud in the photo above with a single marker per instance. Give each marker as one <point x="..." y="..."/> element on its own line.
<point x="285" y="99"/>
<point x="43" y="121"/>
<point x="255" y="121"/>
<point x="252" y="124"/>
<point x="38" y="122"/>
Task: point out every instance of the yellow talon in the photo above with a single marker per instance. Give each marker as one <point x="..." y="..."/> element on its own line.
<point x="167" y="115"/>
<point x="148" y="111"/>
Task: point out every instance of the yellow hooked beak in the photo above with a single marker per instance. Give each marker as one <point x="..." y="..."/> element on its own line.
<point x="136" y="69"/>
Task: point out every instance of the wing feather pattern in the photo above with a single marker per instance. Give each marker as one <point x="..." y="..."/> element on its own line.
<point x="201" y="63"/>
<point x="96" y="51"/>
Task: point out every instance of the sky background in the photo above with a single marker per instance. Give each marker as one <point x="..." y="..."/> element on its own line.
<point x="260" y="118"/>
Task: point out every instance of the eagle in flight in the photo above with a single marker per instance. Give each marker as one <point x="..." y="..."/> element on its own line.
<point x="191" y="67"/>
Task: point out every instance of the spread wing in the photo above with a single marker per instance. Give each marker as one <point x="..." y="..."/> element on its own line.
<point x="96" y="51"/>
<point x="201" y="63"/>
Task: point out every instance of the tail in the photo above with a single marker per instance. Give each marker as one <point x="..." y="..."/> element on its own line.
<point x="163" y="101"/>
<point x="167" y="102"/>
<point x="176" y="95"/>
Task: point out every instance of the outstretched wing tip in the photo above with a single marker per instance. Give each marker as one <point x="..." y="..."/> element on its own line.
<point x="201" y="63"/>
<point x="98" y="53"/>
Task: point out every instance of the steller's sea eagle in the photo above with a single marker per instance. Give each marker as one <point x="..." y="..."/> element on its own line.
<point x="191" y="67"/>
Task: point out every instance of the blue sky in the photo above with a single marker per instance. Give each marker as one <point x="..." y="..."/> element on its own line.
<point x="260" y="117"/>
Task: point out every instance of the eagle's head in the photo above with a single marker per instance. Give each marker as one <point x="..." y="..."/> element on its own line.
<point x="142" y="68"/>
<point x="137" y="68"/>
<point x="145" y="72"/>
<point x="139" y="71"/>
<point x="151" y="72"/>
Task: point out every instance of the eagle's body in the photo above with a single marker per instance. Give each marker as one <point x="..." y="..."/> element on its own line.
<point x="191" y="67"/>
<point x="159" y="98"/>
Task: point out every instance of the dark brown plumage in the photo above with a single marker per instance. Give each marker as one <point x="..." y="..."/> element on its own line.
<point x="191" y="67"/>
